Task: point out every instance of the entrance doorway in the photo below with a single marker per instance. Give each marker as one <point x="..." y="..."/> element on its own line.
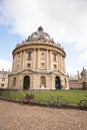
<point x="26" y="83"/>
<point x="57" y="82"/>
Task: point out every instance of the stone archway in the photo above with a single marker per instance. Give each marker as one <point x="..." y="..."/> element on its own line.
<point x="57" y="82"/>
<point x="84" y="85"/>
<point x="26" y="83"/>
<point x="43" y="82"/>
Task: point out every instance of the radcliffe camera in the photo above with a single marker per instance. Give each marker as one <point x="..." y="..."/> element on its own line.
<point x="43" y="65"/>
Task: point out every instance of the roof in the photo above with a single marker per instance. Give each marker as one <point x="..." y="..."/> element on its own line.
<point x="39" y="34"/>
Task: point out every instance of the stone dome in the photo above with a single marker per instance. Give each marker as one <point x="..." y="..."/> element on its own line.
<point x="83" y="73"/>
<point x="38" y="35"/>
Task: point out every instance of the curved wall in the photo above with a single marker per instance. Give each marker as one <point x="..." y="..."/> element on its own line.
<point x="38" y="56"/>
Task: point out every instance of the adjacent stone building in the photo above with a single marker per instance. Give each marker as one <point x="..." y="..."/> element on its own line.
<point x="38" y="63"/>
<point x="4" y="79"/>
<point x="79" y="81"/>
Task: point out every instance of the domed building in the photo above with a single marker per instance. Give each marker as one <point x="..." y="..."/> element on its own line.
<point x="38" y="63"/>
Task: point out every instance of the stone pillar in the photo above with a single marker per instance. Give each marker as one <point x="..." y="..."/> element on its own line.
<point x="34" y="59"/>
<point x="59" y="61"/>
<point x="21" y="59"/>
<point x="62" y="63"/>
<point x="47" y="60"/>
<point x="24" y="60"/>
<point x="38" y="61"/>
<point x="13" y="63"/>
<point x="37" y="58"/>
<point x="64" y="68"/>
<point x="50" y="61"/>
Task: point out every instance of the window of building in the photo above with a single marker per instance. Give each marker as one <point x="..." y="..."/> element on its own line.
<point x="29" y="65"/>
<point x="42" y="53"/>
<point x="29" y="56"/>
<point x="54" y="57"/>
<point x="14" y="81"/>
<point x="42" y="56"/>
<point x="3" y="79"/>
<point x="2" y="85"/>
<point x="42" y="65"/>
<point x="55" y="66"/>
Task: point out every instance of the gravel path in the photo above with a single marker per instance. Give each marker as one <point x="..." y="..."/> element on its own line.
<point x="15" y="116"/>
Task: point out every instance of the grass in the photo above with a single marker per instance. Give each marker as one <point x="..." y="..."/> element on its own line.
<point x="72" y="96"/>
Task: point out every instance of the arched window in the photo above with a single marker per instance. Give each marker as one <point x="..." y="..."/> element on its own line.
<point x="26" y="83"/>
<point x="57" y="82"/>
<point x="43" y="82"/>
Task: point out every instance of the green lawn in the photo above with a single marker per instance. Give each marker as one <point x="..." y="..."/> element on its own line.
<point x="72" y="96"/>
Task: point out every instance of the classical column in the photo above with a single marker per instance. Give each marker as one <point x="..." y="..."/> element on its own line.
<point x="13" y="63"/>
<point x="64" y="64"/>
<point x="34" y="58"/>
<point x="38" y="61"/>
<point x="37" y="58"/>
<point x="21" y="59"/>
<point x="60" y="62"/>
<point x="57" y="62"/>
<point x="24" y="62"/>
<point x="47" y="60"/>
<point x="50" y="60"/>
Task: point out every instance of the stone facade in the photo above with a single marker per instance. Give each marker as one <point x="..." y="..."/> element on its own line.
<point x="38" y="63"/>
<point x="4" y="79"/>
<point x="79" y="81"/>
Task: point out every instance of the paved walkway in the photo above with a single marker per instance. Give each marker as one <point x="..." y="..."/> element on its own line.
<point x="15" y="116"/>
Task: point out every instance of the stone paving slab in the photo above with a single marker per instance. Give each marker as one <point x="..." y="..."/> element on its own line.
<point x="14" y="116"/>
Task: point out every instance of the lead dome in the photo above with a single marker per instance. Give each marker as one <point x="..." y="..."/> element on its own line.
<point x="38" y="35"/>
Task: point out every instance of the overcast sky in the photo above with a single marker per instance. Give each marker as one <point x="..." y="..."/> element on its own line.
<point x="64" y="20"/>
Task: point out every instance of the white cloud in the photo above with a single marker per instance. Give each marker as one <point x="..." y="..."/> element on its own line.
<point x="64" y="20"/>
<point x="4" y="64"/>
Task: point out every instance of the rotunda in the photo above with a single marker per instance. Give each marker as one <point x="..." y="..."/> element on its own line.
<point x="38" y="63"/>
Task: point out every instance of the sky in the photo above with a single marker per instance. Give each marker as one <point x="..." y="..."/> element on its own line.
<point x="64" y="20"/>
